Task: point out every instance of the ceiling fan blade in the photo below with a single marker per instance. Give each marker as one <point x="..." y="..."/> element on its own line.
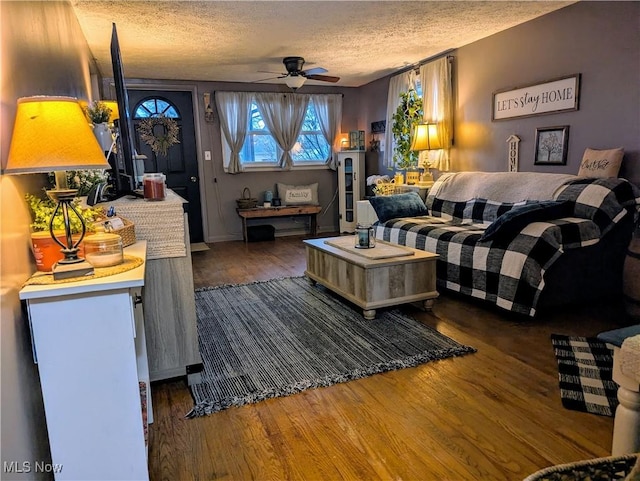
<point x="270" y="71"/>
<point x="314" y="71"/>
<point x="265" y="79"/>
<point x="323" y="78"/>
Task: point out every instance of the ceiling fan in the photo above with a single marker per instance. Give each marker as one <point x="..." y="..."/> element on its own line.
<point x="296" y="77"/>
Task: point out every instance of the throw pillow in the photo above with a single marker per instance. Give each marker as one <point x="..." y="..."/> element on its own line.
<point x="298" y="194"/>
<point x="601" y="163"/>
<point x="511" y="223"/>
<point x="389" y="207"/>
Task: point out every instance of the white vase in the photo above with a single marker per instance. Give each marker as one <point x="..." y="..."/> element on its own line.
<point x="103" y="134"/>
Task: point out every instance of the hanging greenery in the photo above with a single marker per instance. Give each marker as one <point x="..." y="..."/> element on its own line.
<point x="408" y="114"/>
<point x="159" y="143"/>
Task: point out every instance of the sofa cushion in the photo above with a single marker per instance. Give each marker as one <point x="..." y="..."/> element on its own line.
<point x="509" y="224"/>
<point x="398" y="205"/>
<point x="601" y="163"/>
<point x="298" y="194"/>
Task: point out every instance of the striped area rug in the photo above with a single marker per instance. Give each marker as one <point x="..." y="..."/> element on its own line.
<point x="585" y="369"/>
<point x="280" y="337"/>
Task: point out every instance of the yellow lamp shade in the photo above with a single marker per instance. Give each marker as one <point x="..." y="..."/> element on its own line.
<point x="113" y="105"/>
<point x="52" y="133"/>
<point x="425" y="137"/>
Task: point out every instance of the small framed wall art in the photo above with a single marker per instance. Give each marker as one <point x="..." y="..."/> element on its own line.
<point x="551" y="145"/>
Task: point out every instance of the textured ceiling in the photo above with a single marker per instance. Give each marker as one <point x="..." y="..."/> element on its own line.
<point x="358" y="41"/>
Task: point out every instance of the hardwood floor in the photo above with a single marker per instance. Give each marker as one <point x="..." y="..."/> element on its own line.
<point x="492" y="415"/>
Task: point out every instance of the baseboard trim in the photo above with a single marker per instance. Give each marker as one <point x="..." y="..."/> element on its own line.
<point x="167" y="374"/>
<point x="278" y="233"/>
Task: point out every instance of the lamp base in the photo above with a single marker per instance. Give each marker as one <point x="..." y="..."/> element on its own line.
<point x="77" y="269"/>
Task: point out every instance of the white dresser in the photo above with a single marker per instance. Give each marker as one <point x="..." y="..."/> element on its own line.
<point x="89" y="343"/>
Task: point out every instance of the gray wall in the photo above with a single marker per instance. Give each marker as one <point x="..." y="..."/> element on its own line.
<point x="43" y="53"/>
<point x="373" y="108"/>
<point x="555" y="45"/>
<point x="599" y="40"/>
<point x="219" y="190"/>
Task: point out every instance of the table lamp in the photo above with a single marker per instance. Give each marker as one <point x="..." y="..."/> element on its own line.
<point x="113" y="106"/>
<point x="425" y="137"/>
<point x="52" y="134"/>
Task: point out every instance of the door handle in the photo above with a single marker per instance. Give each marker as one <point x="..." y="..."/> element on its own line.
<point x="194" y="179"/>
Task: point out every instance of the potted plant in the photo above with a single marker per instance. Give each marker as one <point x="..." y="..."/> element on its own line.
<point x="45" y="250"/>
<point x="408" y="114"/>
<point x="99" y="114"/>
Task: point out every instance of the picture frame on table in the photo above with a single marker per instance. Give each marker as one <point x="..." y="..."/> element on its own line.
<point x="552" y="145"/>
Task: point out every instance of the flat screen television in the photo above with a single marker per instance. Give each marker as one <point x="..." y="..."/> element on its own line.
<point x="122" y="165"/>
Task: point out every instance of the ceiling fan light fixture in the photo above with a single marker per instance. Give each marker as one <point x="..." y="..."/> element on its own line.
<point x="295" y="81"/>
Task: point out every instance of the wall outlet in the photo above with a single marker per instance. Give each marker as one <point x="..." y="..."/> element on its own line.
<point x="207" y="155"/>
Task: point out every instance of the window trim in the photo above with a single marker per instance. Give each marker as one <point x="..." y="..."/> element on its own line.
<point x="268" y="166"/>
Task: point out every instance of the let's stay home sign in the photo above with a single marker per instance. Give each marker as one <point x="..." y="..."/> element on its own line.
<point x="553" y="96"/>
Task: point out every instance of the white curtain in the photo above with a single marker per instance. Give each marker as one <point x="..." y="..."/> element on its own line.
<point x="329" y="112"/>
<point x="397" y="84"/>
<point x="233" y="109"/>
<point x="283" y="115"/>
<point x="437" y="105"/>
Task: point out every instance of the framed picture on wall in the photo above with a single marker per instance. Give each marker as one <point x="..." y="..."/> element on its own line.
<point x="552" y="96"/>
<point x="551" y="145"/>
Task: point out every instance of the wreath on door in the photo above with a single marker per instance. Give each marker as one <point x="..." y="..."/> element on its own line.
<point x="159" y="143"/>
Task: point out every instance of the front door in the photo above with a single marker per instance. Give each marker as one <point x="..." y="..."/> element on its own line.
<point x="180" y="162"/>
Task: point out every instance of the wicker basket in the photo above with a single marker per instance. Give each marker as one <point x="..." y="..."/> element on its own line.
<point x="128" y="232"/>
<point x="389" y="188"/>
<point x="246" y="201"/>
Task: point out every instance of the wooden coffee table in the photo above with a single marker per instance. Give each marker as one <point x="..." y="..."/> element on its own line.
<point x="386" y="275"/>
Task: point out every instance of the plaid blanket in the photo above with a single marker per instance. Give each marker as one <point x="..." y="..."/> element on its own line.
<point x="510" y="272"/>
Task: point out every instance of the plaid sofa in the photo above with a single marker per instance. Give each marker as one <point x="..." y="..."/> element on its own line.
<point x="513" y="272"/>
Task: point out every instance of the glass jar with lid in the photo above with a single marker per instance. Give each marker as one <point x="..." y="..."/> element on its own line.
<point x="154" y="187"/>
<point x="103" y="249"/>
<point x="365" y="236"/>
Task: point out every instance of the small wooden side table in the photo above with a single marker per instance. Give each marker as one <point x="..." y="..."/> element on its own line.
<point x="283" y="211"/>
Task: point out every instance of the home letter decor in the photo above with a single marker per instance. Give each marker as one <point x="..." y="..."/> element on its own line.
<point x="545" y="98"/>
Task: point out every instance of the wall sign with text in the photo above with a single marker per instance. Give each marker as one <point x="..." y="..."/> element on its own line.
<point x="544" y="98"/>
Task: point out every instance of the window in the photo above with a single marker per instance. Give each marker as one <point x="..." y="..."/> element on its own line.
<point x="311" y="145"/>
<point x="261" y="149"/>
<point x="274" y="131"/>
<point x="259" y="145"/>
<point x="153" y="107"/>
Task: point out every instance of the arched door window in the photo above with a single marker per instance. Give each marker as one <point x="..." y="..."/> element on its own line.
<point x="154" y="107"/>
